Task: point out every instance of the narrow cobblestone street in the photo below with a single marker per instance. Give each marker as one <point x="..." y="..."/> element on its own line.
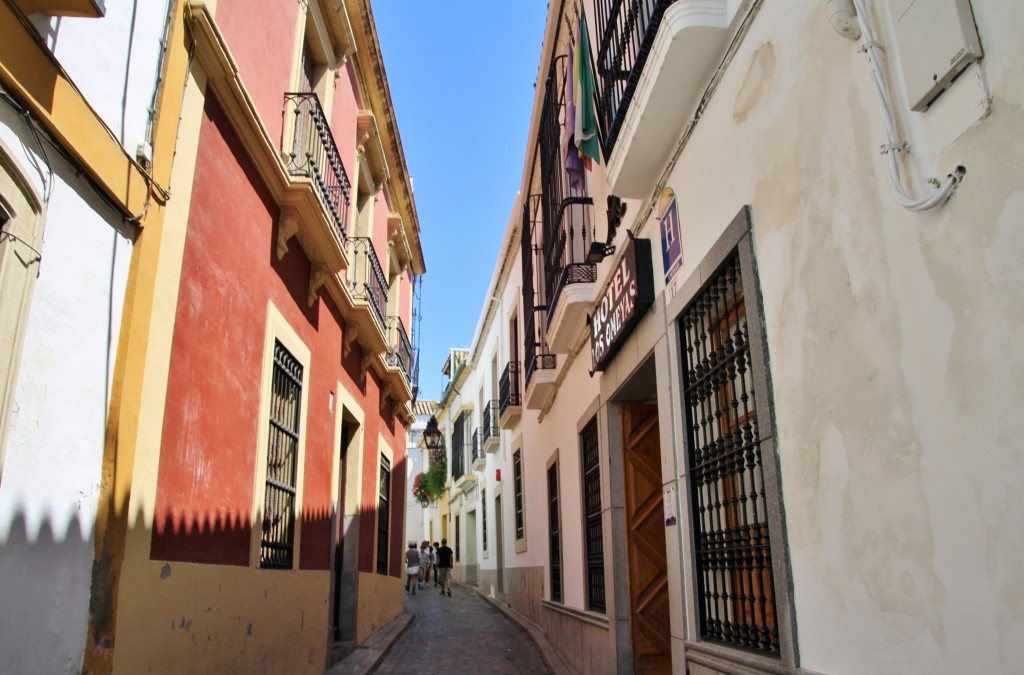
<point x="460" y="634"/>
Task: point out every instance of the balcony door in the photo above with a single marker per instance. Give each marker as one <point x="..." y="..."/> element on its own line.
<point x="302" y="139"/>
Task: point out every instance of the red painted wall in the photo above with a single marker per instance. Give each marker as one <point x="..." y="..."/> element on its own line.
<point x="211" y="425"/>
<point x="262" y="38"/>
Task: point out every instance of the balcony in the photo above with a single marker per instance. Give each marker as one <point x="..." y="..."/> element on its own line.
<point x="510" y="400"/>
<point x="566" y="228"/>
<point x="479" y="456"/>
<point x="571" y="281"/>
<point x="364" y="301"/>
<point x="490" y="430"/>
<point x="653" y="59"/>
<point x="367" y="283"/>
<point x="397" y="377"/>
<point x="312" y="154"/>
<point x="541" y="371"/>
<point x="400" y="354"/>
<point x="463" y="477"/>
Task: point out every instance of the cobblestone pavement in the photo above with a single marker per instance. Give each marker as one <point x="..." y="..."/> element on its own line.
<point x="460" y="634"/>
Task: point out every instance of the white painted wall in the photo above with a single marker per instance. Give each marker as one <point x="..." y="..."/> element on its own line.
<point x="416" y="517"/>
<point x="55" y="442"/>
<point x="892" y="336"/>
<point x="112" y="60"/>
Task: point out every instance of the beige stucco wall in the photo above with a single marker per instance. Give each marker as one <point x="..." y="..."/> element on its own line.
<point x="585" y="642"/>
<point x="379" y="600"/>
<point x="190" y="618"/>
<point x="892" y="336"/>
<point x="891" y="345"/>
<point x="523" y="591"/>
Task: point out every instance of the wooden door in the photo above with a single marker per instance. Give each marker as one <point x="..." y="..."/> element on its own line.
<point x="645" y="540"/>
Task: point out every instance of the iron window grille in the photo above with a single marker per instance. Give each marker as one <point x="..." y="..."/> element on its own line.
<point x="483" y="516"/>
<point x="383" y="515"/>
<point x="535" y="351"/>
<point x="508" y="388"/>
<point x="458" y="539"/>
<point x="626" y="30"/>
<point x="568" y="229"/>
<point x="277" y="543"/>
<point x="478" y="448"/>
<point x="736" y="601"/>
<point x="554" y="535"/>
<point x="315" y="156"/>
<point x="459" y="448"/>
<point x="490" y="426"/>
<point x="593" y="523"/>
<point x="517" y="476"/>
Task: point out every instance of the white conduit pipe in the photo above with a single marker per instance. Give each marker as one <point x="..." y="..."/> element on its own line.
<point x="893" y="146"/>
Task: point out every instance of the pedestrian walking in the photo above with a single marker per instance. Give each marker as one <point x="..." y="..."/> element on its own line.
<point x="445" y="562"/>
<point x="433" y="560"/>
<point x="424" y="575"/>
<point x="412" y="568"/>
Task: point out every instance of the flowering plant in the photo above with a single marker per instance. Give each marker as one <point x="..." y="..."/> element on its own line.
<point x="420" y="491"/>
<point x="428" y="486"/>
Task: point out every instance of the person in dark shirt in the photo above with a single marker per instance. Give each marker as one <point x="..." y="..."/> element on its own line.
<point x="445" y="561"/>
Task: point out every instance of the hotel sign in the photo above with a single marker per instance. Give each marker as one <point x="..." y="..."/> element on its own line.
<point x="627" y="294"/>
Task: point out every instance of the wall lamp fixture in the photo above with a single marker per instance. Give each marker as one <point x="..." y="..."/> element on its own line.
<point x="601" y="250"/>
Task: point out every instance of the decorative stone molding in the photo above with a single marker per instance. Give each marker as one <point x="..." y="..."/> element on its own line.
<point x="318" y="275"/>
<point x="287" y="227"/>
<point x="351" y="335"/>
<point x="368" y="142"/>
<point x="364" y="363"/>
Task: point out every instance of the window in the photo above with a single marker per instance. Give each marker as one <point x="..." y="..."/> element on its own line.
<point x="459" y="438"/>
<point x="517" y="476"/>
<point x="554" y="535"/>
<point x="383" y="515"/>
<point x="458" y="539"/>
<point x="278" y="541"/>
<point x="593" y="526"/>
<point x="21" y="235"/>
<point x="483" y="516"/>
<point x="726" y="432"/>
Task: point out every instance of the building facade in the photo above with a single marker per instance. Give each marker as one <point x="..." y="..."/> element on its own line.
<point x="246" y="369"/>
<point x="767" y="372"/>
<point x="77" y="90"/>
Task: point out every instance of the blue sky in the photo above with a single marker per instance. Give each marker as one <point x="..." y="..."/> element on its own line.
<point x="462" y="80"/>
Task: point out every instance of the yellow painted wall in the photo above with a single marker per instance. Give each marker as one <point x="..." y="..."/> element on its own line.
<point x="192" y="618"/>
<point x="380" y="600"/>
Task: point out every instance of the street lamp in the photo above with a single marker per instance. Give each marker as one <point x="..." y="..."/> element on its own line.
<point x="432" y="435"/>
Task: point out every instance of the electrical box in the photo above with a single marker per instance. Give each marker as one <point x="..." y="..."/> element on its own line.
<point x="936" y="40"/>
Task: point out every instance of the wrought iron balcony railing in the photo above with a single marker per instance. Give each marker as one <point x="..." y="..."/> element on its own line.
<point x="508" y="388"/>
<point x="478" y="446"/>
<point x="400" y="352"/>
<point x="567" y="229"/>
<point x="366" y="278"/>
<point x="625" y="32"/>
<point x="490" y="428"/>
<point x="314" y="155"/>
<point x="536" y="356"/>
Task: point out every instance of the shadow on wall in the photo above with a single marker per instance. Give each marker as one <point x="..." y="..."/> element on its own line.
<point x="47" y="571"/>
